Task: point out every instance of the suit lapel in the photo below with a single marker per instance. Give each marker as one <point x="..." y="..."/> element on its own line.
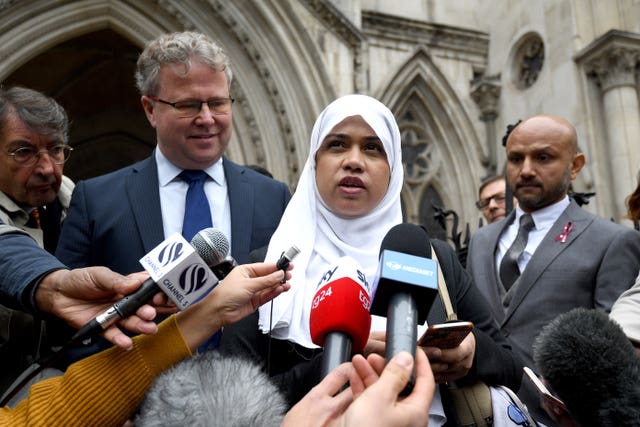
<point x="489" y="267"/>
<point x="241" y="203"/>
<point x="144" y="197"/>
<point x="548" y="250"/>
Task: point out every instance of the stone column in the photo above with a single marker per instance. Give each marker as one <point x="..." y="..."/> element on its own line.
<point x="611" y="61"/>
<point x="485" y="91"/>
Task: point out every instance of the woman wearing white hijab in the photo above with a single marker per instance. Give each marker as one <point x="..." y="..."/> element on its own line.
<point x="324" y="235"/>
<point x="347" y="199"/>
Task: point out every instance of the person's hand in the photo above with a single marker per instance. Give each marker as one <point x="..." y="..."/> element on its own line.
<point x="244" y="289"/>
<point x="454" y="363"/>
<point x="372" y="398"/>
<point x="376" y="400"/>
<point x="322" y="405"/>
<point x="77" y="296"/>
<point x="558" y="414"/>
<point x="376" y="343"/>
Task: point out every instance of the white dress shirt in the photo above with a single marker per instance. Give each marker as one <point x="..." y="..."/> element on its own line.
<point x="173" y="192"/>
<point x="543" y="219"/>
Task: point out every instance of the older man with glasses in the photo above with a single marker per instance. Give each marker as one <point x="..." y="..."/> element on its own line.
<point x="34" y="196"/>
<point x="187" y="184"/>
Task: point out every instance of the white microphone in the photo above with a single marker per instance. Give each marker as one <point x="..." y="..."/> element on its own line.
<point x="177" y="268"/>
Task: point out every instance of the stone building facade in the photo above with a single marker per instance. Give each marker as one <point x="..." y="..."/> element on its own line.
<point x="454" y="72"/>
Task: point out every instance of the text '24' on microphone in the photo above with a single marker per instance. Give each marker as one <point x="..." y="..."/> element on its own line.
<point x="340" y="319"/>
<point x="177" y="268"/>
<point x="404" y="288"/>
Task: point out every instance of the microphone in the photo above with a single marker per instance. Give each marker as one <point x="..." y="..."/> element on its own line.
<point x="591" y="364"/>
<point x="340" y="319"/>
<point x="214" y="390"/>
<point x="406" y="276"/>
<point x="179" y="269"/>
<point x="286" y="257"/>
<point x="224" y="267"/>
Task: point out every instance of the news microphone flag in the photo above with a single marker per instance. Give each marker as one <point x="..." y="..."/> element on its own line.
<point x="341" y="304"/>
<point x="402" y="272"/>
<point x="179" y="271"/>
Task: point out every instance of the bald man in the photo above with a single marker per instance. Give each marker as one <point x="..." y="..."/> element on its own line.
<point x="570" y="258"/>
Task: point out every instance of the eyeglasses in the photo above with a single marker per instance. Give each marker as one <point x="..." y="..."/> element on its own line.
<point x="483" y="204"/>
<point x="29" y="156"/>
<point x="192" y="108"/>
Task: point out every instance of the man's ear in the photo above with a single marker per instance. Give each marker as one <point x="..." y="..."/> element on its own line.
<point x="576" y="165"/>
<point x="148" y="105"/>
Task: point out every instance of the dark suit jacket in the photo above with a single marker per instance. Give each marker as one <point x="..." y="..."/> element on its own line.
<point x="598" y="261"/>
<point x="115" y="219"/>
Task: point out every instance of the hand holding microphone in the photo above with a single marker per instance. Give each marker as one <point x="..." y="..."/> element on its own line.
<point x="177" y="268"/>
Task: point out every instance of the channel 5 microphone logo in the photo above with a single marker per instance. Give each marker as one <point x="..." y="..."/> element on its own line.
<point x="193" y="278"/>
<point x="170" y="253"/>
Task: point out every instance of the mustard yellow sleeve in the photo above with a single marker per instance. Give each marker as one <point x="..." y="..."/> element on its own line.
<point x="104" y="389"/>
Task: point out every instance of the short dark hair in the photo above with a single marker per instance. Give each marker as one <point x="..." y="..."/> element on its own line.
<point x="488" y="180"/>
<point x="40" y="113"/>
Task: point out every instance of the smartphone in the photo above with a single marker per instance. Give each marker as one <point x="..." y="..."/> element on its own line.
<point x="543" y="390"/>
<point x="445" y="335"/>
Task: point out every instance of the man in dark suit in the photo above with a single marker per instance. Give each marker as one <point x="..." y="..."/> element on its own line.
<point x="570" y="257"/>
<point x="184" y="79"/>
<point x="114" y="220"/>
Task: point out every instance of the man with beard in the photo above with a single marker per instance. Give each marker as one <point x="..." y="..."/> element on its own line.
<point x="548" y="255"/>
<point x="34" y="196"/>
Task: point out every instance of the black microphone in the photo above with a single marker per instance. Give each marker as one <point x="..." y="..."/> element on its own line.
<point x="590" y="363"/>
<point x="210" y="244"/>
<point x="404" y="288"/>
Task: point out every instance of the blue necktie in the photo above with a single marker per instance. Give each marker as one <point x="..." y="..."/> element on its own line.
<point x="197" y="216"/>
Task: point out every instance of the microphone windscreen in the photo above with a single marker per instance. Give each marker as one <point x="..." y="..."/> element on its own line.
<point x="592" y="366"/>
<point x="405" y="266"/>
<point x="213" y="390"/>
<point x="407" y="238"/>
<point x="341" y="304"/>
<point x="212" y="245"/>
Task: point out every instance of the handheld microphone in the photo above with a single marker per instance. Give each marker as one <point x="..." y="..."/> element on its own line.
<point x="404" y="288"/>
<point x="591" y="364"/>
<point x="224" y="267"/>
<point x="286" y="257"/>
<point x="340" y="319"/>
<point x="179" y="269"/>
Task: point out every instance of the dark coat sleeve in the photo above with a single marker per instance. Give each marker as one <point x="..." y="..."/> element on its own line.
<point x="22" y="264"/>
<point x="494" y="362"/>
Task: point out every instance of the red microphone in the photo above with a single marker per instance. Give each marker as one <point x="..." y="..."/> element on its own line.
<point x="340" y="320"/>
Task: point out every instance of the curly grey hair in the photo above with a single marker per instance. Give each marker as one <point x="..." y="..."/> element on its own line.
<point x="178" y="48"/>
<point x="39" y="113"/>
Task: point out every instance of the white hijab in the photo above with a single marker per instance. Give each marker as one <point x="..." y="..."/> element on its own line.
<point x="323" y="236"/>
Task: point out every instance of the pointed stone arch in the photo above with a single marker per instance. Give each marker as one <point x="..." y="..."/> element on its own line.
<point x="280" y="84"/>
<point x="441" y="150"/>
